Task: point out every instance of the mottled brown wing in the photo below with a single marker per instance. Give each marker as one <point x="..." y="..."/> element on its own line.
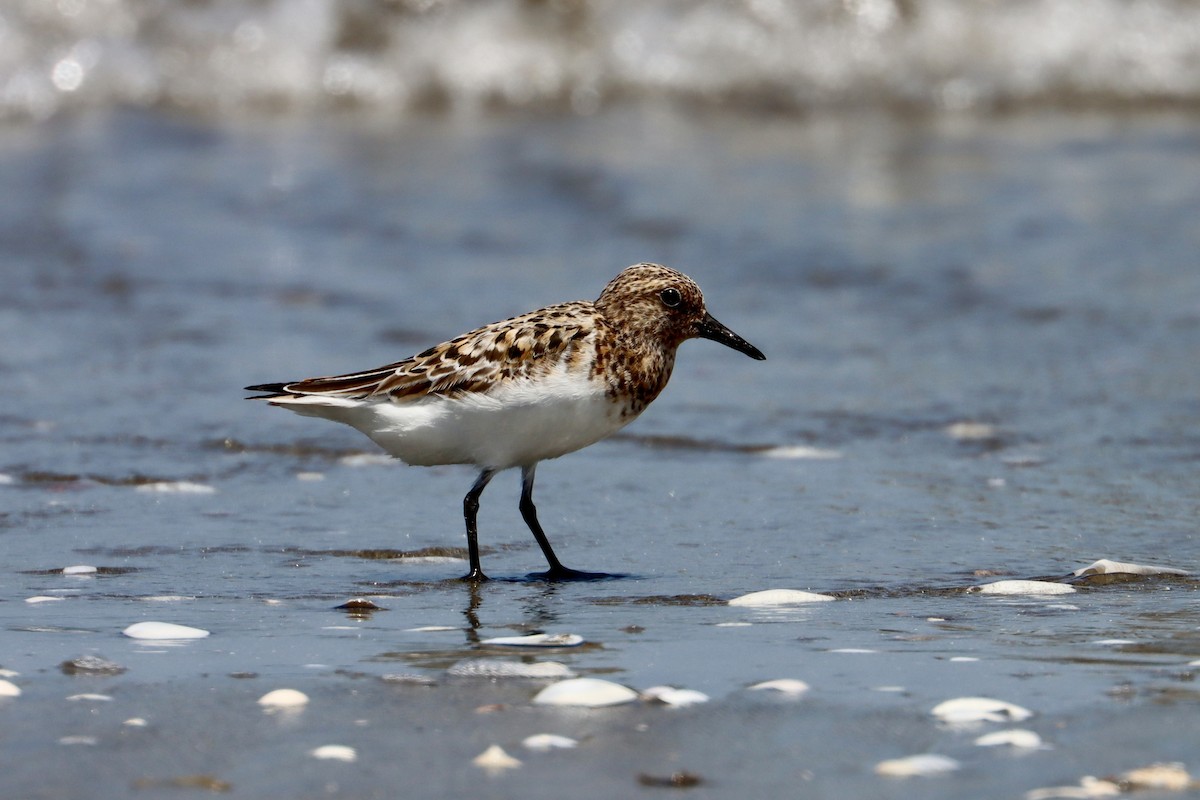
<point x="523" y="346"/>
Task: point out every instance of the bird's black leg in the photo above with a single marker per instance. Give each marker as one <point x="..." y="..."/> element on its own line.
<point x="557" y="571"/>
<point x="470" y="512"/>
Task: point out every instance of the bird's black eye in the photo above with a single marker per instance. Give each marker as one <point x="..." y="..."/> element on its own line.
<point x="671" y="297"/>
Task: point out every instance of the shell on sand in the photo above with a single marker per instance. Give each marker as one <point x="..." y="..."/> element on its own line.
<point x="779" y="597"/>
<point x="979" y="709"/>
<point x="916" y="766"/>
<point x="585" y="693"/>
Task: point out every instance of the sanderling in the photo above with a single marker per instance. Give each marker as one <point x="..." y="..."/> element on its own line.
<point x="516" y="392"/>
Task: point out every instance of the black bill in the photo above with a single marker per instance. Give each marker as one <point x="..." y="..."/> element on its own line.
<point x="709" y="328"/>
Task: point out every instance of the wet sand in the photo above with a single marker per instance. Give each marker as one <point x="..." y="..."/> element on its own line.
<point x="981" y="339"/>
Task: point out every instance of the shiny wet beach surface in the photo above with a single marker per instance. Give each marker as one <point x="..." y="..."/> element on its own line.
<point x="981" y="341"/>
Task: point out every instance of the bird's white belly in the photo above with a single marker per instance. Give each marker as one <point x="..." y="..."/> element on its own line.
<point x="516" y="424"/>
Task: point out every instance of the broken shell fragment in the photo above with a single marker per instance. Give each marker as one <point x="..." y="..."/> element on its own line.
<point x="335" y="752"/>
<point x="1023" y="587"/>
<point x="1015" y="737"/>
<point x="494" y="759"/>
<point x="917" y="766"/>
<point x="543" y="742"/>
<point x="498" y="668"/>
<point x="161" y="631"/>
<point x="786" y="686"/>
<point x="979" y="709"/>
<point x="676" y="698"/>
<point x="537" y="640"/>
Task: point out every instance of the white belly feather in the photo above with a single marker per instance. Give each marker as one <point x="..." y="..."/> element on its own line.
<point x="518" y="423"/>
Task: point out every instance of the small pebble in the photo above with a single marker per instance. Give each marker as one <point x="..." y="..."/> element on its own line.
<point x="1015" y="737"/>
<point x="9" y="689"/>
<point x="586" y="693"/>
<point x="676" y="698"/>
<point x="494" y="759"/>
<point x="283" y="698"/>
<point x="335" y="752"/>
<point x="922" y="765"/>
<point x="537" y="640"/>
<point x="543" y="742"/>
<point x="979" y="709"/>
<point x="163" y="631"/>
<point x="1022" y="587"/>
<point x="91" y="665"/>
<point x="778" y="597"/>
<point x="360" y="605"/>
<point x="786" y="686"/>
<point x="676" y="780"/>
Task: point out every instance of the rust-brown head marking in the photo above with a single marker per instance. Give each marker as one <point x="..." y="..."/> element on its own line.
<point x="649" y="304"/>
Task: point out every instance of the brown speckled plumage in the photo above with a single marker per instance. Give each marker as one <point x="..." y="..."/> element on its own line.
<point x="627" y="338"/>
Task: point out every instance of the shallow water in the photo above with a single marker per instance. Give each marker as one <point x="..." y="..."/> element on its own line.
<point x="1035" y="274"/>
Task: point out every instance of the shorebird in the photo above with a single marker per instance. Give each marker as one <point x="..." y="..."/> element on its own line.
<point x="520" y="391"/>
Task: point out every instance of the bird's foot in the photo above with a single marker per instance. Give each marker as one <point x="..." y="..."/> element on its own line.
<point x="562" y="573"/>
<point x="475" y="576"/>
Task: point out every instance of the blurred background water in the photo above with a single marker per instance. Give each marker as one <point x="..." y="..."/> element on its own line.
<point x="964" y="235"/>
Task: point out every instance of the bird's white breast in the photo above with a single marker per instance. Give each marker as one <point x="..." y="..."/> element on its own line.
<point x="518" y="422"/>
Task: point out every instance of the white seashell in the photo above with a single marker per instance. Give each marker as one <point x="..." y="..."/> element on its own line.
<point x="283" y="698"/>
<point x="852" y="650"/>
<point x="497" y="668"/>
<point x="494" y="759"/>
<point x="80" y="569"/>
<point x="176" y="487"/>
<point x="1113" y="642"/>
<point x="734" y="624"/>
<point x="1015" y="737"/>
<point x="163" y="630"/>
<point x="786" y="686"/>
<point x="537" y="640"/>
<point x="335" y="752"/>
<point x="963" y="659"/>
<point x="790" y="452"/>
<point x="94" y="698"/>
<point x="970" y="431"/>
<point x="9" y="689"/>
<point x="6" y="479"/>
<point x="916" y="766"/>
<point x="166" y="598"/>
<point x="778" y="597"/>
<point x="543" y="742"/>
<point x="1106" y="566"/>
<point x="1088" y="789"/>
<point x="676" y="698"/>
<point x="41" y="598"/>
<point x="8" y="673"/>
<point x="135" y="722"/>
<point x="979" y="709"/>
<point x="585" y="692"/>
<point x="889" y="689"/>
<point x="1023" y="587"/>
<point x="1172" y="777"/>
